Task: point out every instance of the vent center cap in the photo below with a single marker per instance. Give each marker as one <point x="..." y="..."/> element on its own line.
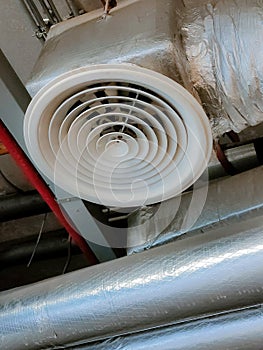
<point x="117" y="148"/>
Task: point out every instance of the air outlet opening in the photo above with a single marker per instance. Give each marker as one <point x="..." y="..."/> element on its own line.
<point x="118" y="135"/>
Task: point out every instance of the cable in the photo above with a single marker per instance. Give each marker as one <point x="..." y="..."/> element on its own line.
<point x="69" y="256"/>
<point x="38" y="240"/>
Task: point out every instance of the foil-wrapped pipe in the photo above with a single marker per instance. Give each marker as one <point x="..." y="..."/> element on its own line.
<point x="240" y="330"/>
<point x="223" y="203"/>
<point x="200" y="275"/>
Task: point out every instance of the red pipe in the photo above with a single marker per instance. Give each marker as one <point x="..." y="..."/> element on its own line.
<point x="37" y="181"/>
<point x="226" y="164"/>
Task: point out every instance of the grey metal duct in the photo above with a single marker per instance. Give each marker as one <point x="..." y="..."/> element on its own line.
<point x="226" y="201"/>
<point x="242" y="330"/>
<point x="137" y="32"/>
<point x="200" y="275"/>
<point x="213" y="48"/>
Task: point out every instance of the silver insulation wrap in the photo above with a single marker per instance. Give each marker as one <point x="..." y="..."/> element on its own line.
<point x="240" y="330"/>
<point x="223" y="43"/>
<point x="214" y="48"/>
<point x="141" y="32"/>
<point x="200" y="275"/>
<point x="227" y="201"/>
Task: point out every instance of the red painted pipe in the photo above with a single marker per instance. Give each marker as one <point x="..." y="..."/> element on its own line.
<point x="36" y="180"/>
<point x="226" y="164"/>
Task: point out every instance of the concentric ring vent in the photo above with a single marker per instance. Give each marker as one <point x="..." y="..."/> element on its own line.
<point x="118" y="135"/>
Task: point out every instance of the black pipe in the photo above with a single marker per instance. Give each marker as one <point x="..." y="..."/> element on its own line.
<point x="259" y="149"/>
<point x="54" y="255"/>
<point x="52" y="245"/>
<point x="22" y="205"/>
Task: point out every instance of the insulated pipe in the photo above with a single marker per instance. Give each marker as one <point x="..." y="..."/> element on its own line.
<point x="33" y="176"/>
<point x="240" y="330"/>
<point x="18" y="206"/>
<point x="229" y="200"/>
<point x="53" y="245"/>
<point x="200" y="275"/>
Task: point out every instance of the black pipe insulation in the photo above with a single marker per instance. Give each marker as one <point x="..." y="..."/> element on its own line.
<point x="21" y="205"/>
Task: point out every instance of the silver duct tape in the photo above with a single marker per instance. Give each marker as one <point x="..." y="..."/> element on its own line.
<point x="229" y="200"/>
<point x="196" y="276"/>
<point x="240" y="330"/>
<point x="223" y="43"/>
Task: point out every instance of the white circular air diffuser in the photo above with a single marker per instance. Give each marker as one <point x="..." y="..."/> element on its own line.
<point x="118" y="135"/>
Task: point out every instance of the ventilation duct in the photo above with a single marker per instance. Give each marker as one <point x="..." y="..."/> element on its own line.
<point x="134" y="116"/>
<point x="213" y="48"/>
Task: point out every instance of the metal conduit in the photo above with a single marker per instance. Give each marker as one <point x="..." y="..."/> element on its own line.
<point x="200" y="275"/>
<point x="54" y="10"/>
<point x="47" y="11"/>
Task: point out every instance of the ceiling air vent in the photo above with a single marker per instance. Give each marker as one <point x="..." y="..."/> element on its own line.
<point x="118" y="135"/>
